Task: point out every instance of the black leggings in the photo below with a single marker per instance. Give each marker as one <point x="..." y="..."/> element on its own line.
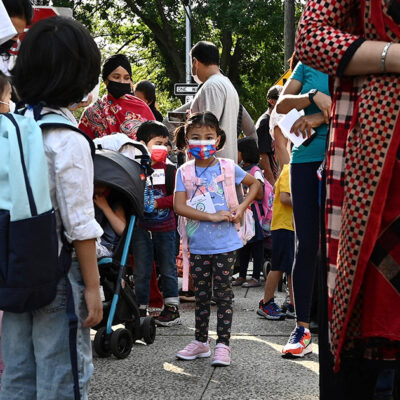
<point x="206" y="270"/>
<point x="304" y="185"/>
<point x="255" y="249"/>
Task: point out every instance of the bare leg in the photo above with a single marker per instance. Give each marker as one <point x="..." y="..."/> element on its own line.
<point x="273" y="279"/>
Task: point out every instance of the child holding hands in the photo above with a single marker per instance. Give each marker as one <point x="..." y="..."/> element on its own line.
<point x="205" y="194"/>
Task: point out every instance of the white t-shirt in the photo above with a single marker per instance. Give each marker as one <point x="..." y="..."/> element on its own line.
<point x="218" y="96"/>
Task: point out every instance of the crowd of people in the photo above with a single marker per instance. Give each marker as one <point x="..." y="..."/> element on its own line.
<point x="328" y="208"/>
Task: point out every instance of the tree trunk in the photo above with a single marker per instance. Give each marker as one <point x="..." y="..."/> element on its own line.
<point x="234" y="68"/>
<point x="226" y="41"/>
<point x="289" y="30"/>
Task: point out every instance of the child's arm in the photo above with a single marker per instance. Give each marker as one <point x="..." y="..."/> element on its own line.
<point x="86" y="253"/>
<point x="285" y="199"/>
<point x="181" y="208"/>
<point x="254" y="186"/>
<point x="164" y="202"/>
<point x="116" y="218"/>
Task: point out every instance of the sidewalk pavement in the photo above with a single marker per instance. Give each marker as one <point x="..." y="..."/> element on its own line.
<point x="257" y="371"/>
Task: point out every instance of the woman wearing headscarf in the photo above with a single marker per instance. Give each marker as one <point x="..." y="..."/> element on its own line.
<point x="357" y="44"/>
<point x="118" y="110"/>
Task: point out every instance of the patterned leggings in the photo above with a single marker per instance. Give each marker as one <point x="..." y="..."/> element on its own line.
<point x="208" y="270"/>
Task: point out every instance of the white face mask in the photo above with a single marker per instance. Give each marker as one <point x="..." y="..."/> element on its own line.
<point x="11" y="105"/>
<point x="195" y="77"/>
<point x="197" y="80"/>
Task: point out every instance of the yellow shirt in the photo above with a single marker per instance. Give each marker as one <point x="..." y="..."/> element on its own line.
<point x="282" y="215"/>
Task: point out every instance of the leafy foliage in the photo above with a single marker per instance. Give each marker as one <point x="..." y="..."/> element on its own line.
<point x="152" y="34"/>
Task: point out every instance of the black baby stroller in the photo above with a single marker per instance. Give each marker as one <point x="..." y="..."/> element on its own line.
<point x="127" y="178"/>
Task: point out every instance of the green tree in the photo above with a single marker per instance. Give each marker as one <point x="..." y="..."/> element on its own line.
<point x="152" y="34"/>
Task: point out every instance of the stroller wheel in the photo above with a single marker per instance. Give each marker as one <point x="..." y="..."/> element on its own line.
<point x="121" y="343"/>
<point x="149" y="330"/>
<point x="101" y="347"/>
<point x="266" y="268"/>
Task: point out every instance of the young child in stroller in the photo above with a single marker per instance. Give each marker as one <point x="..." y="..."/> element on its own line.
<point x="110" y="214"/>
<point x="119" y="197"/>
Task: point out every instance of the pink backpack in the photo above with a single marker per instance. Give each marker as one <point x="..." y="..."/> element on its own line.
<point x="264" y="213"/>
<point x="188" y="174"/>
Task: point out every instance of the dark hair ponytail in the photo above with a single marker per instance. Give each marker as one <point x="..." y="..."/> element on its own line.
<point x="180" y="137"/>
<point x="199" y="120"/>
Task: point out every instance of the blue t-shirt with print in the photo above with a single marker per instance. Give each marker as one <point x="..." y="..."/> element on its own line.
<point x="311" y="79"/>
<point x="212" y="237"/>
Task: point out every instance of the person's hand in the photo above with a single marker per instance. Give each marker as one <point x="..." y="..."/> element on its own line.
<point x="237" y="214"/>
<point x="94" y="306"/>
<point x="305" y="124"/>
<point x="155" y="204"/>
<point x="82" y="104"/>
<point x="324" y="103"/>
<point x="221" y="216"/>
<point x="100" y="202"/>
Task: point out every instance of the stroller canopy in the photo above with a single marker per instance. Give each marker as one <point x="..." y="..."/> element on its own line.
<point x="121" y="173"/>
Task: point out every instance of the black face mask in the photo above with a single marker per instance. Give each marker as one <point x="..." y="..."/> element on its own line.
<point x="6" y="46"/>
<point x="117" y="89"/>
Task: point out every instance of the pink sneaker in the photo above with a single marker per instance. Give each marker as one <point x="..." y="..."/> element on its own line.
<point x="222" y="355"/>
<point x="193" y="350"/>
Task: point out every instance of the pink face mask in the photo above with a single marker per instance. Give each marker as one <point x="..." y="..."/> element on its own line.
<point x="159" y="153"/>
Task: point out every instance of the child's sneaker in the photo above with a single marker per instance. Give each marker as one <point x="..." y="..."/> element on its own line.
<point x="299" y="343"/>
<point x="270" y="310"/>
<point x="222" y="355"/>
<point x="290" y="313"/>
<point x="252" y="283"/>
<point x="169" y="316"/>
<point x="238" y="281"/>
<point x="193" y="350"/>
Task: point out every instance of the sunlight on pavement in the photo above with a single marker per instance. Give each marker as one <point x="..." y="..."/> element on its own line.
<point x="311" y="365"/>
<point x="176" y="370"/>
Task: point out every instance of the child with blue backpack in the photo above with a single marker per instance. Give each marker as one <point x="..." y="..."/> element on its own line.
<point x="47" y="351"/>
<point x="205" y="194"/>
<point x="249" y="157"/>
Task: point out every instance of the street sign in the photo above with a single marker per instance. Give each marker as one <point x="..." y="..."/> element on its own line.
<point x="185" y="89"/>
<point x="282" y="80"/>
<point x="189" y="99"/>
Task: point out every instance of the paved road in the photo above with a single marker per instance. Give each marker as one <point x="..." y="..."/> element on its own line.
<point x="257" y="371"/>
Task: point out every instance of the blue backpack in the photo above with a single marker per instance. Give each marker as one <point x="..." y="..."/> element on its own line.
<point x="30" y="265"/>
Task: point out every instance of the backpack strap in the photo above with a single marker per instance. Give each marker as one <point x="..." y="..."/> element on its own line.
<point x="32" y="204"/>
<point x="239" y="120"/>
<point x="254" y="169"/>
<point x="53" y="120"/>
<point x="188" y="175"/>
<point x="259" y="210"/>
<point x="228" y="182"/>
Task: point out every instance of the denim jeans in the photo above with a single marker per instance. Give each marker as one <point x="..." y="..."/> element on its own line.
<point x="148" y="246"/>
<point x="36" y="353"/>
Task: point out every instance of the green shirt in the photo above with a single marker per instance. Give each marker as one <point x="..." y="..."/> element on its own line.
<point x="311" y="79"/>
